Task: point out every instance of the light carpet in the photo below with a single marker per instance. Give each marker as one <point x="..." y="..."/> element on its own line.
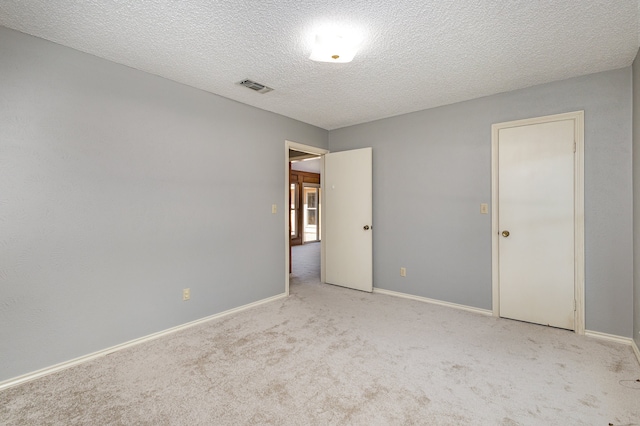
<point x="328" y="355"/>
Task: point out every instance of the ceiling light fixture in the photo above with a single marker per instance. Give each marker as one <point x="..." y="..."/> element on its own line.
<point x="337" y="48"/>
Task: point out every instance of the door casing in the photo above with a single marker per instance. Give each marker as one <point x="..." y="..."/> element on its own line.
<point x="578" y="119"/>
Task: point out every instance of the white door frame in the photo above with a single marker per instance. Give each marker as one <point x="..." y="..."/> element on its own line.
<point x="578" y="118"/>
<point x="287" y="237"/>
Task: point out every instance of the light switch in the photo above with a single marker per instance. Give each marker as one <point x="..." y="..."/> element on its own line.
<point x="484" y="208"/>
<point x="274" y="208"/>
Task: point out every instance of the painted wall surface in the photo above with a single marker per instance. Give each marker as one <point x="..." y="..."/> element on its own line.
<point x="119" y="189"/>
<point x="636" y="200"/>
<point x="432" y="169"/>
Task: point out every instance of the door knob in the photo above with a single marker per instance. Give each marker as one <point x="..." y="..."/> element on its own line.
<point x="505" y="233"/>
<point x="366" y="227"/>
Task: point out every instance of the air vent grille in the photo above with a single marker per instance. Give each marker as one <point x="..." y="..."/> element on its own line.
<point x="260" y="88"/>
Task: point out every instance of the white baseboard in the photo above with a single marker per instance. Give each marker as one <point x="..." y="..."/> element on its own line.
<point x="617" y="339"/>
<point x="433" y="301"/>
<point x="635" y="350"/>
<point x="85" y="358"/>
<point x="609" y="337"/>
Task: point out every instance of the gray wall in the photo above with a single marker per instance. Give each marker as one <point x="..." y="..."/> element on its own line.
<point x="636" y="199"/>
<point x="118" y="189"/>
<point x="432" y="169"/>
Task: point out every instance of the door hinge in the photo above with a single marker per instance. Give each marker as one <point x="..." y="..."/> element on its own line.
<point x="574" y="305"/>
<point x="574" y="146"/>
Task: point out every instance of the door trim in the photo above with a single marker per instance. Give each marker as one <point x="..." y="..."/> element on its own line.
<point x="311" y="150"/>
<point x="578" y="192"/>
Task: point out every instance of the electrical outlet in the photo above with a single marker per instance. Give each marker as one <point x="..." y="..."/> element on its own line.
<point x="484" y="208"/>
<point x="403" y="272"/>
<point x="186" y="293"/>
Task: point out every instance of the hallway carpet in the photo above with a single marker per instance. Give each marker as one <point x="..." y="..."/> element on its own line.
<point x="328" y="355"/>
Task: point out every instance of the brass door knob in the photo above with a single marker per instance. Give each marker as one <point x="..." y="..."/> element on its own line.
<point x="505" y="233"/>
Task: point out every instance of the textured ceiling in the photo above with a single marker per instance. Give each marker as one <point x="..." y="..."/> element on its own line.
<point x="416" y="54"/>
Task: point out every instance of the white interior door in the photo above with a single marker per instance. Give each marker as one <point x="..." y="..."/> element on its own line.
<point x="536" y="223"/>
<point x="348" y="236"/>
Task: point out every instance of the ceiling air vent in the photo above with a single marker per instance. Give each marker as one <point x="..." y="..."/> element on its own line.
<point x="260" y="88"/>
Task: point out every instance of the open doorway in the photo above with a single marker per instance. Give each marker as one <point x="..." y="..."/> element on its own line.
<point x="305" y="202"/>
<point x="305" y="248"/>
<point x="305" y="206"/>
<point x="346" y="239"/>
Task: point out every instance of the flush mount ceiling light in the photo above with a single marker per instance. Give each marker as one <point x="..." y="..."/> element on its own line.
<point x="333" y="47"/>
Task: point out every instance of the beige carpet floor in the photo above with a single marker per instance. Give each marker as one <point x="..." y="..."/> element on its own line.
<point x="328" y="355"/>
